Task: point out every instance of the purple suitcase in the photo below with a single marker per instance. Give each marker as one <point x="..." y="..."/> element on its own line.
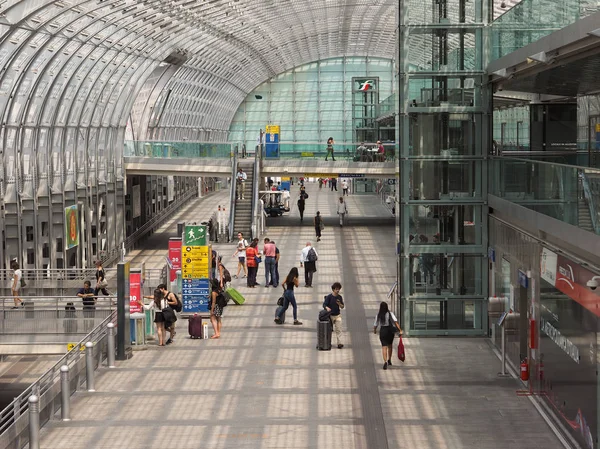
<point x="195" y="326"/>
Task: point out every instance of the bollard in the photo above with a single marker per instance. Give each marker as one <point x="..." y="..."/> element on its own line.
<point x="34" y="422"/>
<point x="110" y="339"/>
<point x="65" y="394"/>
<point x="89" y="366"/>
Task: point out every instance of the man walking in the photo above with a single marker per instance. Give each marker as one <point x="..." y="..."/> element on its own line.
<point x="302" y="202"/>
<point x="240" y="183"/>
<point x="308" y="259"/>
<point x="334" y="303"/>
<point x="333" y="184"/>
<point x="269" y="251"/>
<point x="344" y="188"/>
<point x="342" y="210"/>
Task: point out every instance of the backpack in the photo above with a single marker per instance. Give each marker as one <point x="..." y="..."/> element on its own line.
<point x="312" y="255"/>
<point x="221" y="300"/>
<point x="179" y="306"/>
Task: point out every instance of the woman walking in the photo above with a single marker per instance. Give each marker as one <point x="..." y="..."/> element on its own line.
<point x="216" y="309"/>
<point x="15" y="286"/>
<point x="318" y="222"/>
<point x="330" y="143"/>
<point x="387" y="321"/>
<point x="101" y="282"/>
<point x="291" y="281"/>
<point x="158" y="304"/>
<point x="251" y="262"/>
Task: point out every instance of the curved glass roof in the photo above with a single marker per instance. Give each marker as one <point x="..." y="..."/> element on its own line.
<point x="82" y="63"/>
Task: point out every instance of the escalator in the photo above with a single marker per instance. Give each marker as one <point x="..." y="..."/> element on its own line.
<point x="242" y="221"/>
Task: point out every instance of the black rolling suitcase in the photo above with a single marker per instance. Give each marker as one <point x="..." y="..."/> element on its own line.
<point x="324" y="331"/>
<point x="279" y="309"/>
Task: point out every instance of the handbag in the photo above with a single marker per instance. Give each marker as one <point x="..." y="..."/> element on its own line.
<point x="321" y="226"/>
<point x="23" y="283"/>
<point x="280" y="301"/>
<point x="401" y="354"/>
<point x="102" y="284"/>
<point x="169" y="315"/>
<point x="257" y="259"/>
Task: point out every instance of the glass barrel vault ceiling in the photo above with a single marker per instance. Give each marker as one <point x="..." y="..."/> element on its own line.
<point x="91" y="57"/>
<point x="81" y="63"/>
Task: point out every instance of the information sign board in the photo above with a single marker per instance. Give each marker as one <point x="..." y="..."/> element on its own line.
<point x="195" y="263"/>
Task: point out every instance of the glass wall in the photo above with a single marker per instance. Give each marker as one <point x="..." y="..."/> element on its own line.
<point x="530" y="20"/>
<point x="313" y="102"/>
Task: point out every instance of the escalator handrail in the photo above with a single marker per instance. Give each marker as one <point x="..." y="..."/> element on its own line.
<point x="255" y="203"/>
<point x="587" y="193"/>
<point x="234" y="163"/>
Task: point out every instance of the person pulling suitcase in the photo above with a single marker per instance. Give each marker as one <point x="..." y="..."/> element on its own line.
<point x="334" y="303"/>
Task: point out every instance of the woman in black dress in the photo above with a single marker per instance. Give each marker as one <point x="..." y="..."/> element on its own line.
<point x="387" y="321"/>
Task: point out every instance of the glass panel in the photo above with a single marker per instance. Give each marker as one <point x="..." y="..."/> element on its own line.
<point x="177" y="149"/>
<point x="451" y="314"/>
<point x="439" y="224"/>
<point x="530" y="20"/>
<point x="443" y="180"/>
<point x="439" y="274"/>
<point x="443" y="134"/>
<point x="550" y="189"/>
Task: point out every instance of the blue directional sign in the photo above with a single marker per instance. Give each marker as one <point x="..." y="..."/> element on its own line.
<point x="195" y="295"/>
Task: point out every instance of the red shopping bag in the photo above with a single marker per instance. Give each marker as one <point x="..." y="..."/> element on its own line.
<point x="401" y="354"/>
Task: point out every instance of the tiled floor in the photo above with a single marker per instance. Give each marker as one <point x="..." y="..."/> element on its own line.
<point x="265" y="386"/>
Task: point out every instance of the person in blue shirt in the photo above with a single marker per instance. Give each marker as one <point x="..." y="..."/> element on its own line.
<point x="334" y="303"/>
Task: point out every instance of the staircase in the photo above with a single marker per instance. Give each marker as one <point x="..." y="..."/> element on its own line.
<point x="584" y="219"/>
<point x="242" y="220"/>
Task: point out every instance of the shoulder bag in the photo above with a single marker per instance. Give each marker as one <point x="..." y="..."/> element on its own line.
<point x="169" y="314"/>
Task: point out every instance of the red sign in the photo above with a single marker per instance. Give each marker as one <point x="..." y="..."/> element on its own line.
<point x="174" y="257"/>
<point x="135" y="292"/>
<point x="571" y="279"/>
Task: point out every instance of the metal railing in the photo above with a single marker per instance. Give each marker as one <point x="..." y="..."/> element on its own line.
<point x="232" y="195"/>
<point x="386" y="197"/>
<point x="257" y="205"/>
<point x="51" y="315"/>
<point x="14" y="419"/>
<point x="69" y="274"/>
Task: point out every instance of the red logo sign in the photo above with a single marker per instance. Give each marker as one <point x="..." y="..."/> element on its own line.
<point x="135" y="292"/>
<point x="174" y="258"/>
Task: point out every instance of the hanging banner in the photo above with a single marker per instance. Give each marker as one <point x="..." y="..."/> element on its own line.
<point x="195" y="262"/>
<point x="174" y="257"/>
<point x="272" y="142"/>
<point x="135" y="291"/>
<point x="71" y="227"/>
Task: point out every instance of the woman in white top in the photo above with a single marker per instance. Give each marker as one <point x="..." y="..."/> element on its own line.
<point x="16" y="284"/>
<point x="159" y="303"/>
<point x="386" y="320"/>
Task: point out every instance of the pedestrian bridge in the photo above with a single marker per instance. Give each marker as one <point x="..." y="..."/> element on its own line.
<point x="217" y="159"/>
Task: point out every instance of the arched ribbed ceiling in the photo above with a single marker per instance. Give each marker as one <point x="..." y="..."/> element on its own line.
<point x="92" y="57"/>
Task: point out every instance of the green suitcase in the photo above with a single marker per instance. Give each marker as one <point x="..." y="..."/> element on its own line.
<point x="235" y="296"/>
